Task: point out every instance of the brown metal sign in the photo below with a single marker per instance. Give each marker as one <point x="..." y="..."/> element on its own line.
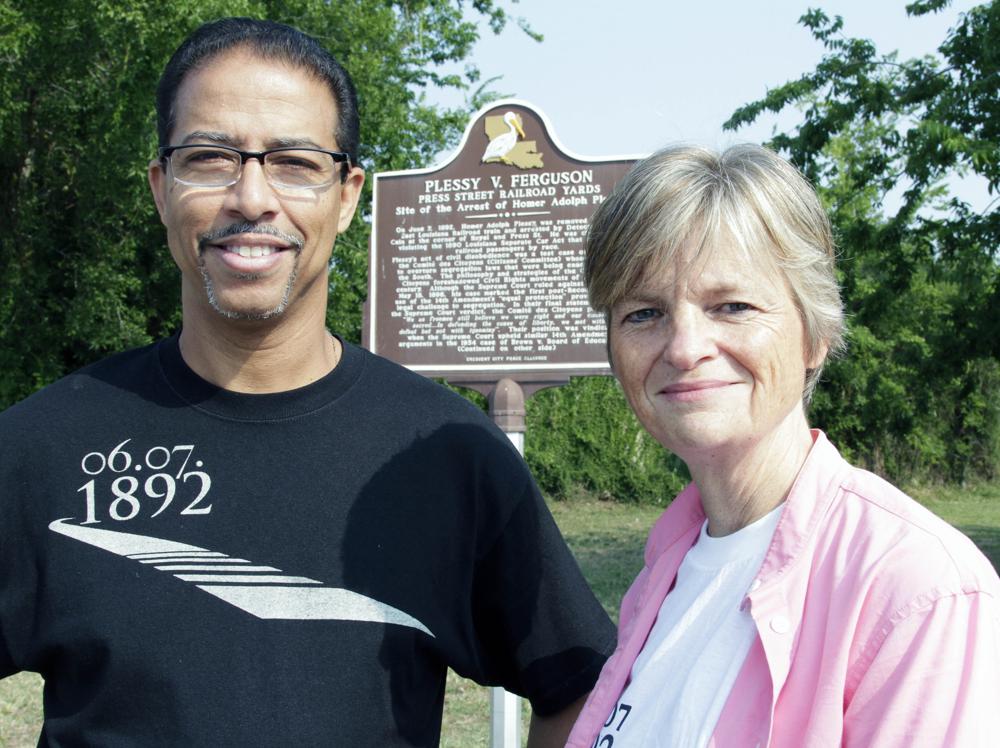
<point x="475" y="266"/>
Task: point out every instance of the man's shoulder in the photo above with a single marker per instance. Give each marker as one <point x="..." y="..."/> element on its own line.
<point x="420" y="395"/>
<point x="409" y="409"/>
<point x="91" y="385"/>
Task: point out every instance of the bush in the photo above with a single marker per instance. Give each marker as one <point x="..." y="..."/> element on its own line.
<point x="583" y="435"/>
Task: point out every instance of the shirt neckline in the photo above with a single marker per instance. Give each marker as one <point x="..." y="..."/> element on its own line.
<point x="746" y="543"/>
<point x="202" y="395"/>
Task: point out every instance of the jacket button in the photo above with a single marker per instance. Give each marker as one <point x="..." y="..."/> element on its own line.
<point x="780" y="625"/>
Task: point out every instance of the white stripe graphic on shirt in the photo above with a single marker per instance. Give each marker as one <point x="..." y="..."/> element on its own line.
<point x="166" y="563"/>
<point x="147" y="557"/>
<point x="263" y="595"/>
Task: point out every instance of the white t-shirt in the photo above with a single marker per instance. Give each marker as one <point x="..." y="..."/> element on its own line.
<point x="685" y="671"/>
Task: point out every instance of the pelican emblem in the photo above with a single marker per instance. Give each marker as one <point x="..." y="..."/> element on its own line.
<point x="504" y="143"/>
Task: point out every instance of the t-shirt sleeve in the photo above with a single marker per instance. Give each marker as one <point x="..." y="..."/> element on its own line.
<point x="6" y="662"/>
<point x="541" y="632"/>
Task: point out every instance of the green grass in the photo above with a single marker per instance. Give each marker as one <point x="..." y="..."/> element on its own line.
<point x="608" y="540"/>
<point x="20" y="710"/>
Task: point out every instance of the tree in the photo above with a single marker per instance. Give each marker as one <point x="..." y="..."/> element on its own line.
<point x="919" y="395"/>
<point x="82" y="255"/>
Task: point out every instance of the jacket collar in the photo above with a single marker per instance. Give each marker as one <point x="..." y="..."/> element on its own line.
<point x="807" y="503"/>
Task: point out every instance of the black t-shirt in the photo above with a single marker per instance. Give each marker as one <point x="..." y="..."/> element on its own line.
<point x="190" y="566"/>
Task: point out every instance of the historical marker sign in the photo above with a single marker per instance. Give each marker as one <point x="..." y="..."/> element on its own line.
<point x="475" y="266"/>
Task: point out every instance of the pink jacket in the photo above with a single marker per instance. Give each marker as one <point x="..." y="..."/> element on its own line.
<point x="878" y="623"/>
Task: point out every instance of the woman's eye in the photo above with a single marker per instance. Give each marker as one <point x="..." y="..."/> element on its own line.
<point x="736" y="307"/>
<point x="641" y="315"/>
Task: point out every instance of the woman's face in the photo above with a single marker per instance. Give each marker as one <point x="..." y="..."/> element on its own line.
<point x="711" y="353"/>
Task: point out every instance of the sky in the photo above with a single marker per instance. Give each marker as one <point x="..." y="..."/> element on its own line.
<point x="625" y="77"/>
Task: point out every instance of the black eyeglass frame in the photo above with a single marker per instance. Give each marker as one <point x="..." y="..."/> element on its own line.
<point x="340" y="157"/>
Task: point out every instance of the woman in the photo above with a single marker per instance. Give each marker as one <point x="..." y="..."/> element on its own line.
<point x="788" y="599"/>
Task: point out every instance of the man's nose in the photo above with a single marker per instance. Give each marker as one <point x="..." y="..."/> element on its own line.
<point x="252" y="197"/>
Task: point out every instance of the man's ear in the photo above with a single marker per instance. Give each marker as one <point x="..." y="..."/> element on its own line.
<point x="350" y="194"/>
<point x="158" y="182"/>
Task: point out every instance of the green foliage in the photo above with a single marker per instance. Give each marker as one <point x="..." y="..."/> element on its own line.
<point x="918" y="395"/>
<point x="82" y="255"/>
<point x="86" y="271"/>
<point x="583" y="435"/>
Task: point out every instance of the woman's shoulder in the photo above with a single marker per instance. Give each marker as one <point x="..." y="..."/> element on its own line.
<point x="911" y="546"/>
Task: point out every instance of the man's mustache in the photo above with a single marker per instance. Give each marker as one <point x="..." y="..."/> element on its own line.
<point x="245" y="227"/>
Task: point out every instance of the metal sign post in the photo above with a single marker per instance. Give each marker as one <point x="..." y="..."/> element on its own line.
<point x="505" y="719"/>
<point x="506" y="402"/>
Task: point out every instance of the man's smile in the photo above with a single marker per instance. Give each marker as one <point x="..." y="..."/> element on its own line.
<point x="244" y="251"/>
<point x="247" y="248"/>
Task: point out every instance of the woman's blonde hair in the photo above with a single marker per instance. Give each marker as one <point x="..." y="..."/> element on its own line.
<point x="688" y="196"/>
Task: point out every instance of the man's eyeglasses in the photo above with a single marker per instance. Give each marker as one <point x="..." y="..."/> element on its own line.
<point x="284" y="168"/>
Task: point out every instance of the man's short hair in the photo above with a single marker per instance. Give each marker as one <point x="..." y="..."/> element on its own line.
<point x="688" y="196"/>
<point x="270" y="41"/>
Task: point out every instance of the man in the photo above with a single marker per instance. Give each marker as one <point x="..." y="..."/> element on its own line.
<point x="255" y="533"/>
